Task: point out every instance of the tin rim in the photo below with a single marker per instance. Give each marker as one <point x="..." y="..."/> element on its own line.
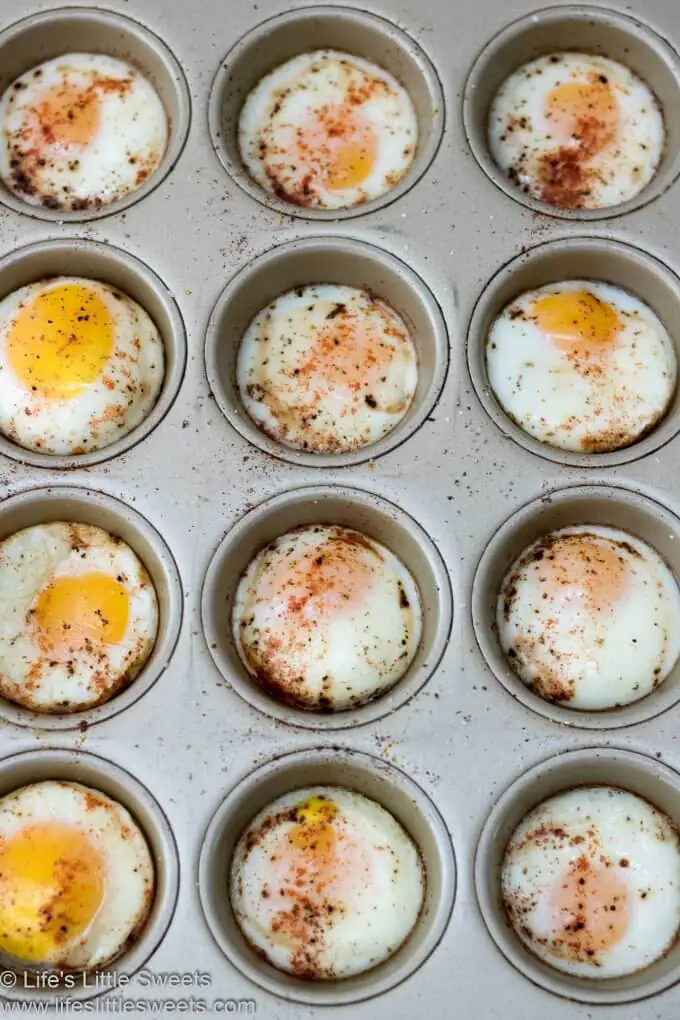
<point x="340" y="505"/>
<point x="90" y="506"/>
<point x="101" y="774"/>
<point x="415" y="300"/>
<point x="617" y="259"/>
<point x="395" y="40"/>
<point x="641" y="37"/>
<point x="607" y="766"/>
<point x="575" y="505"/>
<point x="380" y="781"/>
<point x="110" y="23"/>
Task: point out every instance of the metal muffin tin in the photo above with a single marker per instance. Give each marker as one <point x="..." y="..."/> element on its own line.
<point x="459" y="749"/>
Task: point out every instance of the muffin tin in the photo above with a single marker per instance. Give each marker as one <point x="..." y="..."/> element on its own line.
<point x="459" y="749"/>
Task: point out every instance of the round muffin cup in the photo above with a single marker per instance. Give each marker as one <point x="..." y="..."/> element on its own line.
<point x="577" y="258"/>
<point x="353" y="31"/>
<point x="577" y="506"/>
<point x="317" y="260"/>
<point x="603" y="766"/>
<point x="350" y="508"/>
<point x="101" y="263"/>
<point x="52" y="764"/>
<point x="575" y="28"/>
<point x="86" y="506"/>
<point x="50" y="34"/>
<point x="362" y="773"/>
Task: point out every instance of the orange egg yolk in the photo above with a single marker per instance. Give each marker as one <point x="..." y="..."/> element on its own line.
<point x="340" y="147"/>
<point x="580" y="570"/>
<point x="347" y="354"/>
<point x="590" y="910"/>
<point x="332" y="579"/>
<point x="60" y="340"/>
<point x="76" y="612"/>
<point x="51" y="888"/>
<point x="69" y="116"/>
<point x="577" y="322"/>
<point x="584" y="112"/>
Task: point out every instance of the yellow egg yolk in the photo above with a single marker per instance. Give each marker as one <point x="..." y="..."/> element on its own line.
<point x="73" y="612"/>
<point x="584" y="112"/>
<point x="60" y="340"/>
<point x="51" y="887"/>
<point x="339" y="147"/>
<point x="581" y="569"/>
<point x="577" y="322"/>
<point x="590" y="908"/>
<point x="352" y="163"/>
<point x="314" y="828"/>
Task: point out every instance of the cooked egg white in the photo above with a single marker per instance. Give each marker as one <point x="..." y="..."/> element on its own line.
<point x="591" y="882"/>
<point x="78" y="617"/>
<point x="76" y="877"/>
<point x="326" y="618"/>
<point x="81" y="365"/>
<point x="589" y="617"/>
<point x="80" y="132"/>
<point x="581" y="366"/>
<point x="328" y="130"/>
<point x="577" y="131"/>
<point x="327" y="368"/>
<point x="326" y="883"/>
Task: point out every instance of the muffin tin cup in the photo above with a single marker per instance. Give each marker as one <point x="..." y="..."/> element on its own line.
<point x="304" y="30"/>
<point x="100" y="774"/>
<point x="361" y="773"/>
<point x="575" y="506"/>
<point x="575" y="28"/>
<point x="106" y="264"/>
<point x="86" y="506"/>
<point x="317" y="260"/>
<point x="577" y="258"/>
<point x="603" y="766"/>
<point x="352" y="508"/>
<point x="52" y="33"/>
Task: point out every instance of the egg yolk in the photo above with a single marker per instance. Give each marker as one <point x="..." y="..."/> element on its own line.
<point x="69" y="116"/>
<point x="332" y="579"/>
<point x="584" y="572"/>
<point x="584" y="112"/>
<point x="51" y="888"/>
<point x="577" y="322"/>
<point x="339" y="147"/>
<point x="314" y="828"/>
<point x="60" y="340"/>
<point x="74" y="612"/>
<point x="346" y="355"/>
<point x="590" y="908"/>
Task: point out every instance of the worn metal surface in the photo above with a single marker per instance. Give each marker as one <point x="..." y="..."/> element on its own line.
<point x="462" y="738"/>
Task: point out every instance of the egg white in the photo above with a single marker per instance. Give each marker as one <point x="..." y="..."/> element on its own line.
<point x="105" y="410"/>
<point x="520" y="134"/>
<point x="29" y="560"/>
<point x="291" y="96"/>
<point x="129" y="870"/>
<point x="375" y="884"/>
<point x="319" y="657"/>
<point x="550" y="399"/>
<point x="325" y="413"/>
<point x="129" y="144"/>
<point x="627" y="829"/>
<point x="583" y="659"/>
